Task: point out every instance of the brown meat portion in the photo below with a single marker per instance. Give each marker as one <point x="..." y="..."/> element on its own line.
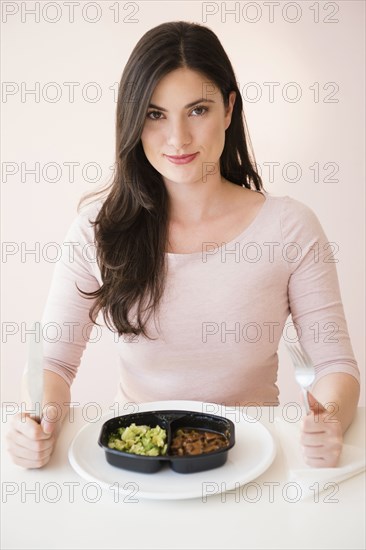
<point x="194" y="442"/>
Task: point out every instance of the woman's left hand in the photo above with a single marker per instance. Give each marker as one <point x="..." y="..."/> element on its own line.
<point x="321" y="436"/>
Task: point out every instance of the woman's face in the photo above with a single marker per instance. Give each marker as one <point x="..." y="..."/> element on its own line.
<point x="186" y="116"/>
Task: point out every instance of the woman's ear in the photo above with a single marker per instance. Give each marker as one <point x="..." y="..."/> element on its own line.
<point x="229" y="109"/>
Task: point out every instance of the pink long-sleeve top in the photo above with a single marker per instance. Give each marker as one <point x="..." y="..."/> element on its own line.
<point x="222" y="314"/>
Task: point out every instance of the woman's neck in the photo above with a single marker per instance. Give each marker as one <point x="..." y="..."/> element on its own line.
<point x="197" y="202"/>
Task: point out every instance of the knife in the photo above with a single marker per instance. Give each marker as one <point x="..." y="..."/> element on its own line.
<point x="34" y="372"/>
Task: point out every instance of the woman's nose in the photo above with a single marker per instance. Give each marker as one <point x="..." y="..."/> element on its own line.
<point x="178" y="135"/>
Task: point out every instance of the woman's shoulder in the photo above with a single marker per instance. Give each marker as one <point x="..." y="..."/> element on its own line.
<point x="291" y="208"/>
<point x="281" y="207"/>
<point x="284" y="202"/>
<point x="90" y="210"/>
<point x="292" y="215"/>
<point x="82" y="226"/>
<point x="297" y="218"/>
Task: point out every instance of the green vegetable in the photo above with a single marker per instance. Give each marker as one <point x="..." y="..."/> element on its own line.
<point x="139" y="440"/>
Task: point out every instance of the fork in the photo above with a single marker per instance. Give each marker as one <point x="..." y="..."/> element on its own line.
<point x="304" y="370"/>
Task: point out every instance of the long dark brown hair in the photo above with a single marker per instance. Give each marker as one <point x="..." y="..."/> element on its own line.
<point x="131" y="225"/>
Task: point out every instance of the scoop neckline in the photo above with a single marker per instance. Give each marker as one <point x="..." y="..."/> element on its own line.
<point x="253" y="223"/>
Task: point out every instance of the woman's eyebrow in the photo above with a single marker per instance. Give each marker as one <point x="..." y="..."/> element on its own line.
<point x="201" y="100"/>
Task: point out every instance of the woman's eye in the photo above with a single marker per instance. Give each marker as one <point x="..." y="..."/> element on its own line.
<point x="200" y="108"/>
<point x="153" y="113"/>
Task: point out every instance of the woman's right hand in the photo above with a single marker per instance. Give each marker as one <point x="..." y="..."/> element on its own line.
<point x="31" y="444"/>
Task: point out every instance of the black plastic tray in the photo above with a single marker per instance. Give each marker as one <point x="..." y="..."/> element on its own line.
<point x="169" y="421"/>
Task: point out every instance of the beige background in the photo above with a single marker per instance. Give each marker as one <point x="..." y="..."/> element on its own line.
<point x="313" y="52"/>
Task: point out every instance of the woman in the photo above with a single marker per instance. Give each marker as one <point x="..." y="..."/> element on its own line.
<point x="197" y="266"/>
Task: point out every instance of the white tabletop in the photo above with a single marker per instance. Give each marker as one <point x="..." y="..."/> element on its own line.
<point x="30" y="519"/>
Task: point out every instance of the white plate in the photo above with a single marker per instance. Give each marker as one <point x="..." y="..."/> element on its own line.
<point x="252" y="454"/>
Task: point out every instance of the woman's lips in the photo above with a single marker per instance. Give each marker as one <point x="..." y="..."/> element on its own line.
<point x="182" y="159"/>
